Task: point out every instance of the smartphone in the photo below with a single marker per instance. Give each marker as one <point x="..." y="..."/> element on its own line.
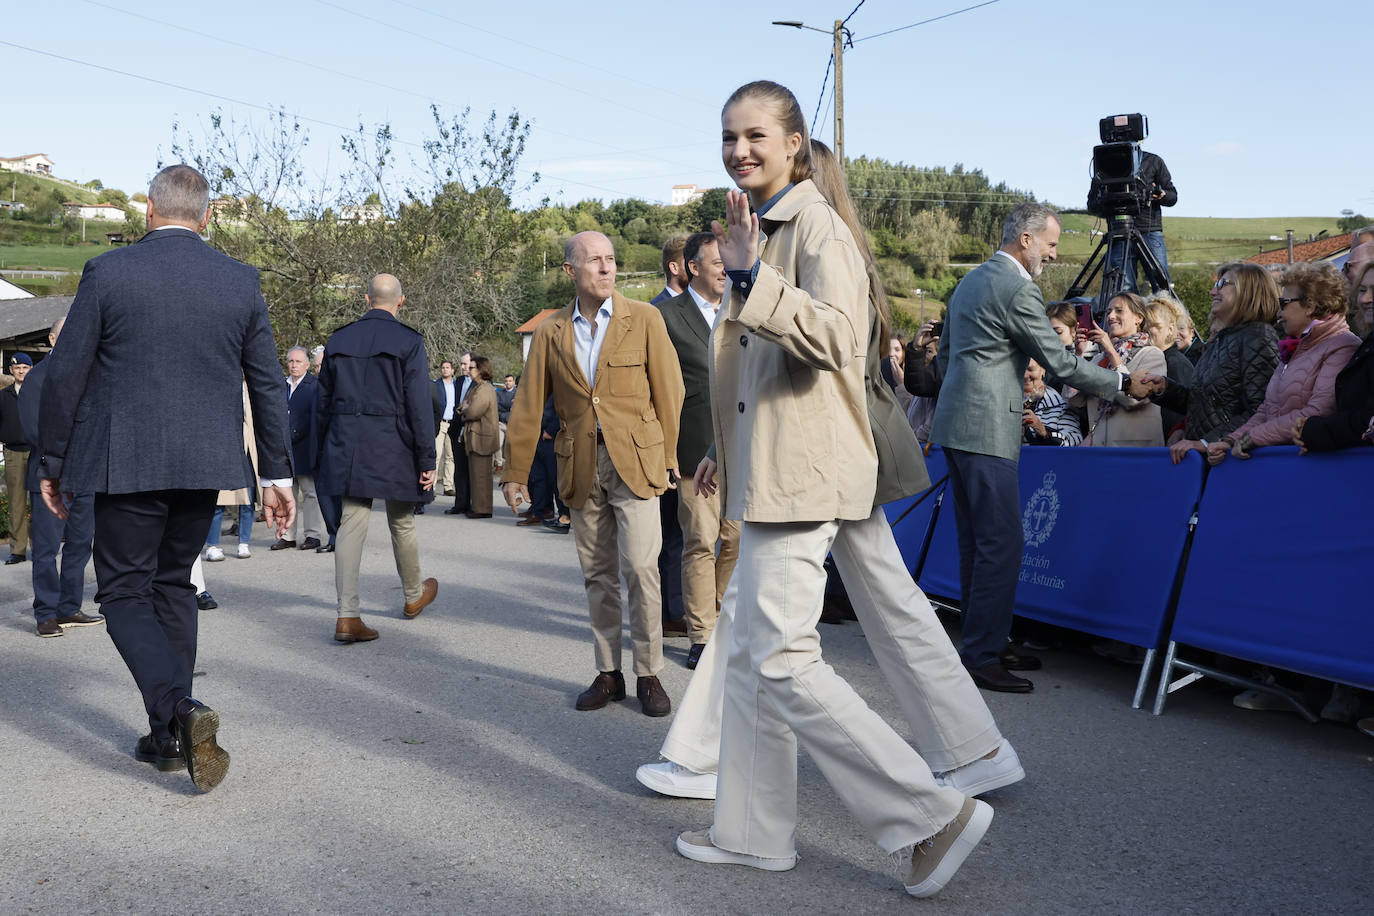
<point x="1085" y="316"/>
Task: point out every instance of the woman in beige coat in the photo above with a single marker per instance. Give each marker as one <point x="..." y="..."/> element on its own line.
<point x="481" y="433"/>
<point x="1124" y="420"/>
<point x="797" y="460"/>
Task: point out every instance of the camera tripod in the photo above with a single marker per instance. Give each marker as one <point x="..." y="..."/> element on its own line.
<point x="1122" y="247"/>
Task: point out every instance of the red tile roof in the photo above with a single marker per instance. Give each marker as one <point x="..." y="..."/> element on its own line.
<point x="1320" y="250"/>
<point x="529" y="326"/>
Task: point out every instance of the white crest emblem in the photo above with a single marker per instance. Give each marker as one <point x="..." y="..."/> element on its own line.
<point x="1042" y="511"/>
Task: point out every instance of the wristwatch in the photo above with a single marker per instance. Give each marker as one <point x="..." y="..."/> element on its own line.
<point x="1126" y="383"/>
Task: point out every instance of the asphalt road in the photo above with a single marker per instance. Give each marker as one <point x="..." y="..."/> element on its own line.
<point x="442" y="769"/>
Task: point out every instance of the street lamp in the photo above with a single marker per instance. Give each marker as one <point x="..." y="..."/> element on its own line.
<point x="839" y="33"/>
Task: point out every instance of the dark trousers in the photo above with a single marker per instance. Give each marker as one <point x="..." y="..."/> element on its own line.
<point x="462" y="497"/>
<point x="543" y="484"/>
<point x="58" y="594"/>
<point x="331" y="509"/>
<point x="145" y="544"/>
<point x="987" y="517"/>
<point x="670" y="557"/>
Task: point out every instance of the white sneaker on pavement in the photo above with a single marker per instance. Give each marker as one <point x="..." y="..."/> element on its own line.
<point x="697" y="846"/>
<point x="668" y="778"/>
<point x="244" y="553"/>
<point x="986" y="774"/>
<point x="213" y="554"/>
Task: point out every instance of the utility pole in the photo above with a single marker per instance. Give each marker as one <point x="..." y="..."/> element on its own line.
<point x="839" y="91"/>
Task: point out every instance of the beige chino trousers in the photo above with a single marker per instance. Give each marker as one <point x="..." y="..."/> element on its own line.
<point x="704" y="572"/>
<point x="443" y="450"/>
<point x="348" y="549"/>
<point x="617" y="532"/>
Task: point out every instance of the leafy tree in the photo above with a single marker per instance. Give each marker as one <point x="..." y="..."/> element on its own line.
<point x="933" y="234"/>
<point x="1353" y="222"/>
<point x="113" y="196"/>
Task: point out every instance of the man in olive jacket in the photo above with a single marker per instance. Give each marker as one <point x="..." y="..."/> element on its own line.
<point x="617" y="389"/>
<point x="994" y="324"/>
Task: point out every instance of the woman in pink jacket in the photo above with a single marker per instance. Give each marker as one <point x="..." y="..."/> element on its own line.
<point x="1317" y="345"/>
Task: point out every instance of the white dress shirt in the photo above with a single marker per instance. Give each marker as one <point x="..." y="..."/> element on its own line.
<point x="708" y="311"/>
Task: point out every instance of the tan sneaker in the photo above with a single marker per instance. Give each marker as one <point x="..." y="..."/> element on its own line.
<point x="934" y="861"/>
<point x="697" y="846"/>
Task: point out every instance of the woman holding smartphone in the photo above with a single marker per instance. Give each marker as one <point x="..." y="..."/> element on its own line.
<point x="798" y="460"/>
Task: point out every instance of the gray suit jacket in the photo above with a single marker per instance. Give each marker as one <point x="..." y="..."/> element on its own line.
<point x="691" y="337"/>
<point x="994" y="324"/>
<point x="148" y="374"/>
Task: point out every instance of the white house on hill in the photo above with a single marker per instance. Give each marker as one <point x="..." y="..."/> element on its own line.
<point x="683" y="193"/>
<point x="106" y="213"/>
<point x="32" y="164"/>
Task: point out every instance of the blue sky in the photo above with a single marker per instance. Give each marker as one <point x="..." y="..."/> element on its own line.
<point x="1249" y="107"/>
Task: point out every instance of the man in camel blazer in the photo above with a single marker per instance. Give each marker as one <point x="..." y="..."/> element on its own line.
<point x="617" y="390"/>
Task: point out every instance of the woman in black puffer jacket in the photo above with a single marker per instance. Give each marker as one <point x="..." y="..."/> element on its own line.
<point x="1242" y="351"/>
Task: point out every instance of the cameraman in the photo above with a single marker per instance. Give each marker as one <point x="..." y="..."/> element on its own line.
<point x="1155" y="175"/>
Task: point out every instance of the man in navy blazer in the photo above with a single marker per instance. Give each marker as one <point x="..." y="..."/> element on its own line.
<point x="376" y="441"/>
<point x="302" y="390"/>
<point x="155" y="447"/>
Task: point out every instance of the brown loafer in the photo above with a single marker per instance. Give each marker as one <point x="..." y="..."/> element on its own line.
<point x="428" y="589"/>
<point x="352" y="629"/>
<point x="652" y="698"/>
<point x="529" y="520"/>
<point x="608" y="686"/>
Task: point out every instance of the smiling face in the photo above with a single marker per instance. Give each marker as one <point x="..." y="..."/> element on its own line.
<point x="756" y="150"/>
<point x="1365" y="297"/>
<point x="1033" y="383"/>
<point x="1161" y="331"/>
<point x="708" y="273"/>
<point x="1122" y="321"/>
<point x="1223" y="302"/>
<point x="1036" y="249"/>
<point x="1296" y="313"/>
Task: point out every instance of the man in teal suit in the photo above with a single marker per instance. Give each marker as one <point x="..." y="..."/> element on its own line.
<point x="995" y="322"/>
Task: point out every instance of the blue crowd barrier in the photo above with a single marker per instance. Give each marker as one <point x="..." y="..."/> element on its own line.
<point x="1276" y="573"/>
<point x="1104" y="528"/>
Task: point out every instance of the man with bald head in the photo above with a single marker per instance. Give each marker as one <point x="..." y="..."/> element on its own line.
<point x="375" y="438"/>
<point x="617" y="388"/>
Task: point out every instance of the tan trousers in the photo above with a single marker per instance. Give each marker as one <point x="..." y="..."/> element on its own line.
<point x="348" y="549"/>
<point x="950" y="722"/>
<point x="617" y="532"/>
<point x="479" y="482"/>
<point x="779" y="691"/>
<point x="704" y="572"/>
<point x="443" y="451"/>
<point x="309" y="519"/>
<point x="16" y="465"/>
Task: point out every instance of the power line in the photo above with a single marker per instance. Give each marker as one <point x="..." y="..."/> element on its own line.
<point x="924" y="21"/>
<point x="853" y="11"/>
<point x="816" y="118"/>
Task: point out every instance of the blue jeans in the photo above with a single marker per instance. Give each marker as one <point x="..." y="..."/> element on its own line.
<point x="246" y="515"/>
<point x="59" y="594"/>
<point x="1154" y="241"/>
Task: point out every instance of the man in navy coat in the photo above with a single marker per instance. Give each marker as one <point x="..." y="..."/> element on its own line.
<point x="376" y="441"/>
<point x="155" y="447"/>
<point x="301" y="392"/>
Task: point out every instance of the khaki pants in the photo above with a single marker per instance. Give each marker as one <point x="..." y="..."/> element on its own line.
<point x="704" y="573"/>
<point x="309" y="520"/>
<point x="779" y="692"/>
<point x="617" y="532"/>
<point x="348" y="549"/>
<point x="16" y="466"/>
<point x="443" y="451"/>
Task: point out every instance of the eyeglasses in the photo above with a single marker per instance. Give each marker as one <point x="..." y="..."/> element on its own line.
<point x="1284" y="301"/>
<point x="1223" y="282"/>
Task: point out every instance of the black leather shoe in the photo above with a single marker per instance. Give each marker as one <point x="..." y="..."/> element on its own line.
<point x="206" y="601"/>
<point x="455" y="510"/>
<point x="310" y="544"/>
<point x="164" y="754"/>
<point x="993" y="676"/>
<point x="652" y="699"/>
<point x="608" y="686"/>
<point x="327" y="548"/>
<point x="15" y="558"/>
<point x="282" y="544"/>
<point x="694" y="655"/>
<point x="195" y="726"/>
<point x="1013" y="662"/>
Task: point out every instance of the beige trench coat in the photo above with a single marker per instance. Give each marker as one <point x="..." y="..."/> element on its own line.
<point x="242" y="496"/>
<point x="787" y="376"/>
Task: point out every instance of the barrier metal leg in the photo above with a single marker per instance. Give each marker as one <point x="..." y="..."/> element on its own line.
<point x="1165" y="673"/>
<point x="1145" y="668"/>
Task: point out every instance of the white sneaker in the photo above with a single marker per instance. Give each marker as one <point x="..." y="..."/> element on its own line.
<point x="668" y="778"/>
<point x="213" y="554"/>
<point x="244" y="553"/>
<point x="697" y="846"/>
<point x="1259" y="699"/>
<point x="1002" y="769"/>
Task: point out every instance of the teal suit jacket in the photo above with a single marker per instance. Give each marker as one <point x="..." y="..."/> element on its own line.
<point x="994" y="324"/>
<point x="691" y="337"/>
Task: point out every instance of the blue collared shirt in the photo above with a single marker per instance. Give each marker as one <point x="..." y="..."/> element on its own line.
<point x="589" y="342"/>
<point x="743" y="280"/>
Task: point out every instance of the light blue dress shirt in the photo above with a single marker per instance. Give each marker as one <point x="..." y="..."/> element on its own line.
<point x="589" y="342"/>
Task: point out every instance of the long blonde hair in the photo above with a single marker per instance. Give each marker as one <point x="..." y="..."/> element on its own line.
<point x="783" y="104"/>
<point x="828" y="176"/>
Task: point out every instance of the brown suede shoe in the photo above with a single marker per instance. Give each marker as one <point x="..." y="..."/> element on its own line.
<point x="352" y="629"/>
<point x="428" y="589"/>
<point x="652" y="699"/>
<point x="608" y="686"/>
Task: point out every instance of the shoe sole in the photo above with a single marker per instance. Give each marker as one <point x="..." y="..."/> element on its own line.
<point x="51" y="635"/>
<point x="714" y="855"/>
<point x="959" y="850"/>
<point x="88" y="623"/>
<point x="207" y="762"/>
<point x="349" y="637"/>
<point x="651" y="779"/>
